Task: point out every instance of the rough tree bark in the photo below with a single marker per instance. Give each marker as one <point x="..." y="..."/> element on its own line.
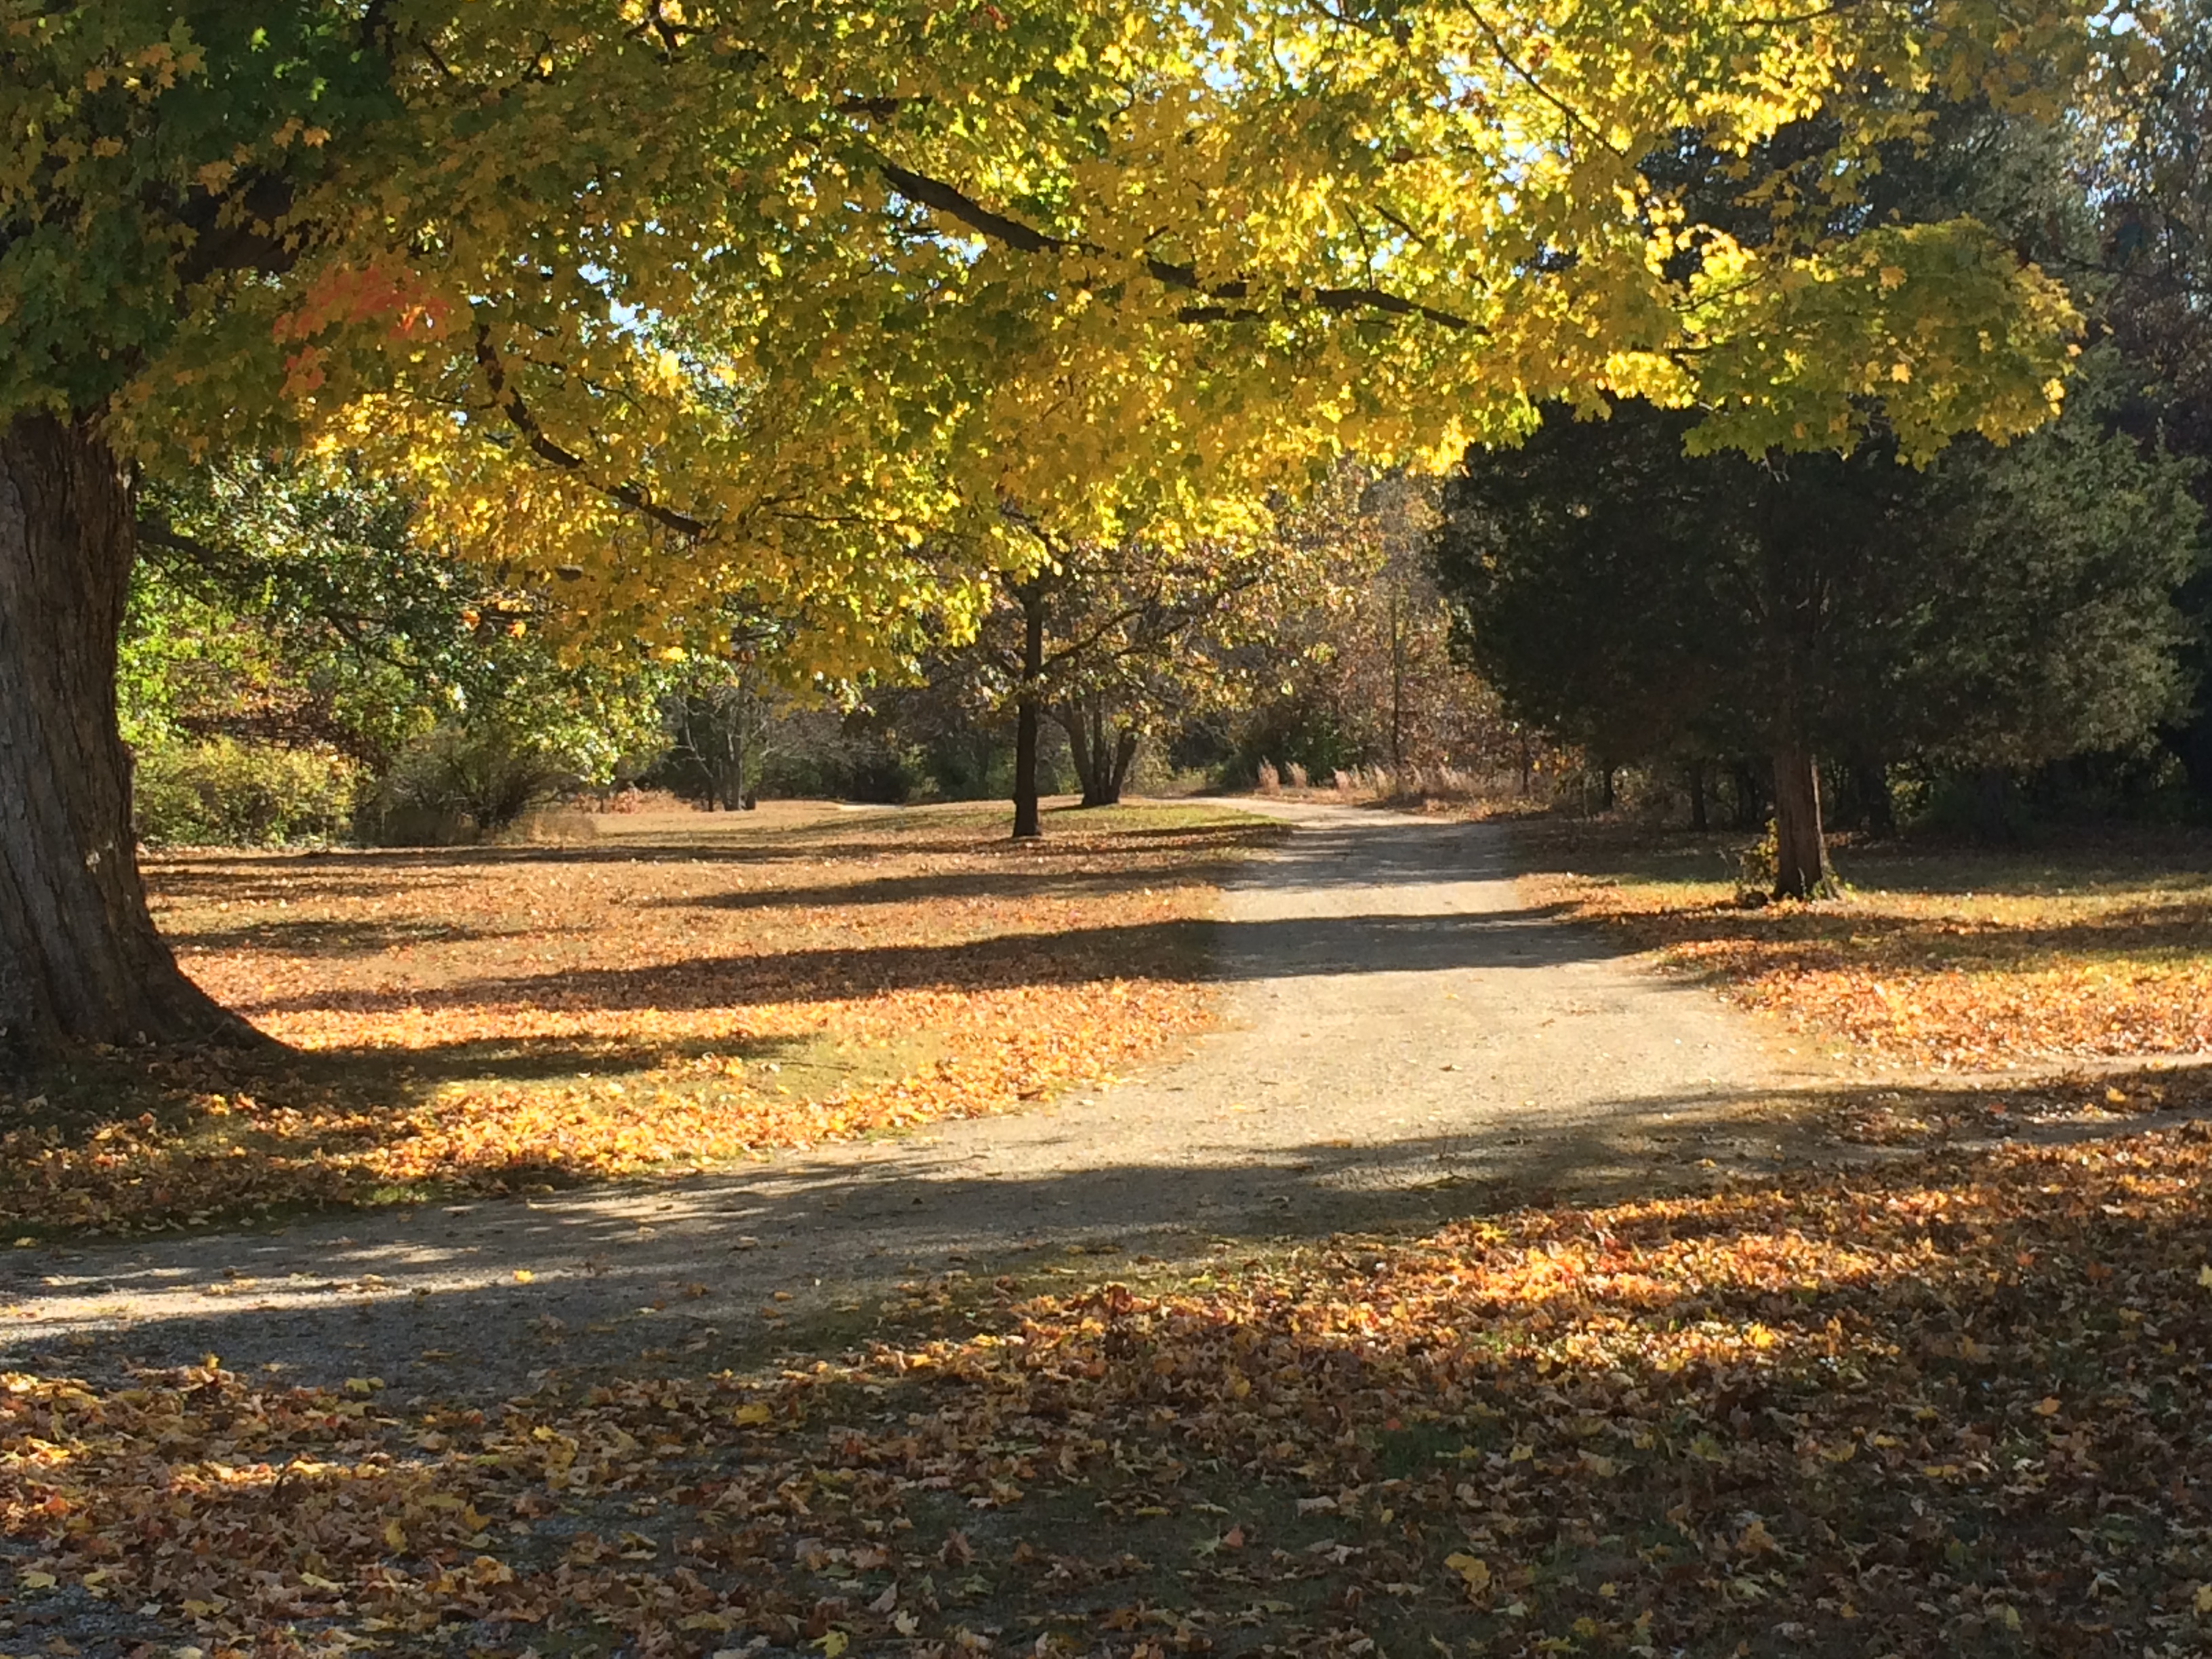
<point x="80" y="960"/>
<point x="1801" y="848"/>
<point x="1029" y="711"/>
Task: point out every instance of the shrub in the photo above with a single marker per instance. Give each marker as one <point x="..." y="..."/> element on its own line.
<point x="463" y="783"/>
<point x="221" y="792"/>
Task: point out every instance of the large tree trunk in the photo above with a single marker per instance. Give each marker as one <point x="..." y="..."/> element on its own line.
<point x="80" y="961"/>
<point x="1028" y="821"/>
<point x="1801" y="849"/>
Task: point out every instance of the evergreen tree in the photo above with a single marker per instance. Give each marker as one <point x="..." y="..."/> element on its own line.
<point x="2003" y="606"/>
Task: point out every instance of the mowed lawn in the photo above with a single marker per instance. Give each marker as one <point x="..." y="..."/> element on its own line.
<point x="672" y="991"/>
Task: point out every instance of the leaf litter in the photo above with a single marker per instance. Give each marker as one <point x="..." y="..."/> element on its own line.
<point x="1950" y="1405"/>
<point x="1952" y="959"/>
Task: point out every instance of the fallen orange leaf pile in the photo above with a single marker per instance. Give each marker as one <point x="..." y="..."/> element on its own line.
<point x="687" y="992"/>
<point x="1934" y="1407"/>
<point x="1958" y="961"/>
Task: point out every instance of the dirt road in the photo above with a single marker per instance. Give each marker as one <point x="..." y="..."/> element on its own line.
<point x="1403" y="1041"/>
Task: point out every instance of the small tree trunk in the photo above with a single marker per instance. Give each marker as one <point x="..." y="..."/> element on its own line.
<point x="1801" y="850"/>
<point x="1871" y="783"/>
<point x="740" y="716"/>
<point x="1098" y="761"/>
<point x="1699" y="819"/>
<point x="80" y="960"/>
<point x="1993" y="800"/>
<point x="1744" y="779"/>
<point x="1397" y="682"/>
<point x="1125" y="759"/>
<point x="1080" y="721"/>
<point x="1099" y="790"/>
<point x="1029" y="821"/>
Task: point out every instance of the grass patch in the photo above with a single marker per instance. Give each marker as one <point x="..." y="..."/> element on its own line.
<point x="677" y="993"/>
<point x="1945" y="958"/>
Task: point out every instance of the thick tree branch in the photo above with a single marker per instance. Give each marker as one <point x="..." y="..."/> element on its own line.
<point x="509" y="399"/>
<point x="158" y="533"/>
<point x="957" y="204"/>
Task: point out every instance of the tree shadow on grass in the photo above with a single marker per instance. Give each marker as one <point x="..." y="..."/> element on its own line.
<point x="2059" y="863"/>
<point x="1064" y="863"/>
<point x="1072" y="878"/>
<point x="1884" y="925"/>
<point x="1807" y="939"/>
<point x="844" y="1218"/>
<point x="1237" y="951"/>
<point x="332" y="937"/>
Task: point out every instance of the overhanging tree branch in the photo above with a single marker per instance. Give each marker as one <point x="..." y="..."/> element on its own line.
<point x="509" y="401"/>
<point x="1223" y="299"/>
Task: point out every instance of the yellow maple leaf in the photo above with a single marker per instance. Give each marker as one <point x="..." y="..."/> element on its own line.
<point x="1473" y="1569"/>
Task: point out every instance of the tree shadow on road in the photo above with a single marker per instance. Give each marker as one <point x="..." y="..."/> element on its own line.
<point x="1944" y="1405"/>
<point x="833" y="1226"/>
